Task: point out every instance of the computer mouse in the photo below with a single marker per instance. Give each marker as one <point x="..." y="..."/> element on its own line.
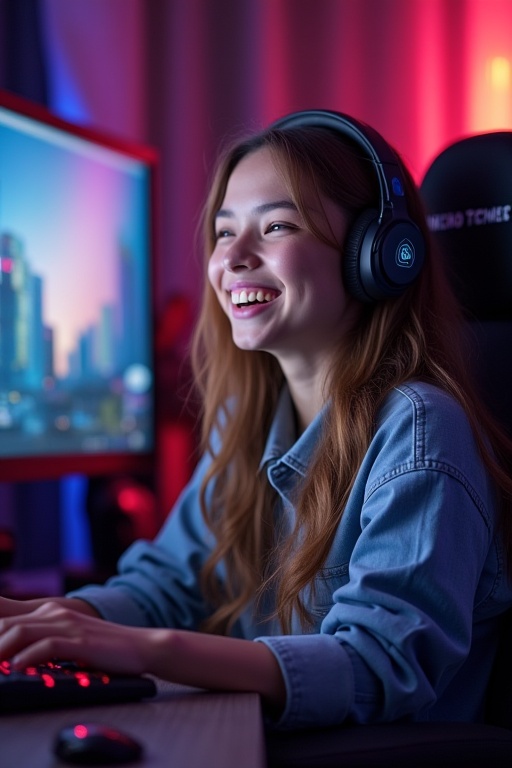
<point x="96" y="744"/>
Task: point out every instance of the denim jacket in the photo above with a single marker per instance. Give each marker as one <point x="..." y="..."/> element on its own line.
<point x="406" y="604"/>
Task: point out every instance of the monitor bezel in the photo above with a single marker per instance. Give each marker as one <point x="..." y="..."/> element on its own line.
<point x="40" y="467"/>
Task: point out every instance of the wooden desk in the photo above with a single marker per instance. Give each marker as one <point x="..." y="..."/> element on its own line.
<point x="180" y="728"/>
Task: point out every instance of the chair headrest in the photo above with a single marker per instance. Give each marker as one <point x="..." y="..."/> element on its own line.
<point x="467" y="191"/>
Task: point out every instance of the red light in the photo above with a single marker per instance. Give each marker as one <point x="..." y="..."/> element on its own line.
<point x="83" y="679"/>
<point x="80" y="731"/>
<point x="48" y="681"/>
<point x="31" y="671"/>
<point x="129" y="499"/>
<point x="5" y="667"/>
<point x="6" y="264"/>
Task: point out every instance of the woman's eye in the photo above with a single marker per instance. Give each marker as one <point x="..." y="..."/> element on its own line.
<point x="277" y="226"/>
<point x="222" y="233"/>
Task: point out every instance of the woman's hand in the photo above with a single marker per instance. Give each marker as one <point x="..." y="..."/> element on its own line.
<point x="56" y="630"/>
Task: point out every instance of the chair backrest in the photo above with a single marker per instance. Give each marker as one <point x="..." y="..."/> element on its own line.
<point x="468" y="195"/>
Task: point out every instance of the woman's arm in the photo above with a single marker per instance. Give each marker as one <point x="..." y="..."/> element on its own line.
<point x="220" y="663"/>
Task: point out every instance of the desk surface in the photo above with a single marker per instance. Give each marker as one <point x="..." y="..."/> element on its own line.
<point x="180" y="728"/>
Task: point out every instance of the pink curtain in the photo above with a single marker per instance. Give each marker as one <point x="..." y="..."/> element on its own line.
<point x="186" y="74"/>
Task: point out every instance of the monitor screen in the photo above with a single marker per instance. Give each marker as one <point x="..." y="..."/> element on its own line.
<point x="76" y="301"/>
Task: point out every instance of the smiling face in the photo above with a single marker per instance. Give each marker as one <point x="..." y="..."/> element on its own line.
<point x="278" y="283"/>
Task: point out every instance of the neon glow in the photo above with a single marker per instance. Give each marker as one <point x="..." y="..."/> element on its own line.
<point x="82" y="679"/>
<point x="498" y="73"/>
<point x="6" y="265"/>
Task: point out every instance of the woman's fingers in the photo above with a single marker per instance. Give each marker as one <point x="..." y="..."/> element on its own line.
<point x="44" y="628"/>
<point x="55" y="631"/>
<point x="45" y="649"/>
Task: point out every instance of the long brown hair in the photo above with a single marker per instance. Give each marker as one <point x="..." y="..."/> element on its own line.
<point x="415" y="336"/>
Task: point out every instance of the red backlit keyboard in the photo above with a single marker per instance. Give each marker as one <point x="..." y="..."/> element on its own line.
<point x="64" y="684"/>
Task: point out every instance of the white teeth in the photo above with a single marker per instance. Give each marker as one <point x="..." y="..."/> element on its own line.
<point x="248" y="297"/>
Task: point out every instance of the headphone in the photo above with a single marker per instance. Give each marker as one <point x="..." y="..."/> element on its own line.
<point x="384" y="250"/>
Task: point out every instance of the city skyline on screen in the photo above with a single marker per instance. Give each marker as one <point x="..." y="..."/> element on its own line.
<point x="76" y="363"/>
<point x="73" y="207"/>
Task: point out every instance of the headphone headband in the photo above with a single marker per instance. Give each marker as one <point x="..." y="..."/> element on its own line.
<point x="386" y="253"/>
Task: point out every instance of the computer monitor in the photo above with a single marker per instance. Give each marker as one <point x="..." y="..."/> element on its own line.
<point x="77" y="257"/>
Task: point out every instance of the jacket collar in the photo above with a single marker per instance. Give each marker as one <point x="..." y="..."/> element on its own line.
<point x="283" y="442"/>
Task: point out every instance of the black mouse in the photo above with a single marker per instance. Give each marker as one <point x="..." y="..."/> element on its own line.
<point x="96" y="744"/>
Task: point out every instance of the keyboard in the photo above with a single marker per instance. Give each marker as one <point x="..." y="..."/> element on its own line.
<point x="66" y="684"/>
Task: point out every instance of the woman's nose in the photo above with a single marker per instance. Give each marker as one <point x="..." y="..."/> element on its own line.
<point x="239" y="258"/>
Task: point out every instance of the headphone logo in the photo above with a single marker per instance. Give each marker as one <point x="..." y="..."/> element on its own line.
<point x="404" y="256"/>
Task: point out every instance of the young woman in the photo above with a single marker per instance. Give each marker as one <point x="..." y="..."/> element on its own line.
<point x="340" y="548"/>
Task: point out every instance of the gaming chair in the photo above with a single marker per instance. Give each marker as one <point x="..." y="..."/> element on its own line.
<point x="468" y="195"/>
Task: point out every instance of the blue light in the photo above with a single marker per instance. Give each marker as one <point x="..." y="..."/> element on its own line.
<point x="76" y="538"/>
<point x="67" y="100"/>
<point x="397" y="186"/>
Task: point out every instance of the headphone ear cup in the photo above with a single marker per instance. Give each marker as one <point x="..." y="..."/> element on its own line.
<point x="352" y="254"/>
<point x="381" y="259"/>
